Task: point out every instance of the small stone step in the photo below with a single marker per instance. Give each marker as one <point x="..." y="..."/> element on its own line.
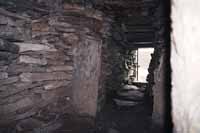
<point x="130" y="98"/>
<point x="125" y="103"/>
<point x="132" y="93"/>
<point x="136" y="96"/>
<point x="130" y="87"/>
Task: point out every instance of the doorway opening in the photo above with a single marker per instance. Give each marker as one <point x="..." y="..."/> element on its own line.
<point x="144" y="74"/>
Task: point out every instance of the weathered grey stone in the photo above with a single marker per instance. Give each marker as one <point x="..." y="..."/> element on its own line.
<point x="67" y="30"/>
<point x="10" y="90"/>
<point x="3" y="63"/>
<point x="55" y="84"/>
<point x="18" y="68"/>
<point x="87" y="62"/>
<point x="3" y="68"/>
<point x="132" y="95"/>
<point x="125" y="103"/>
<point x="58" y="56"/>
<point x="7" y="56"/>
<point x="10" y="117"/>
<point x="59" y="68"/>
<point x="40" y="26"/>
<point x="6" y="21"/>
<point x="130" y="87"/>
<point x="51" y="127"/>
<point x="9" y="80"/>
<point x="37" y="34"/>
<point x="55" y="23"/>
<point x="15" y="106"/>
<point x="13" y="15"/>
<point x="14" y="33"/>
<point x="7" y="46"/>
<point x="56" y="62"/>
<point x="34" y="47"/>
<point x="31" y="60"/>
<point x="71" y="38"/>
<point x="29" y="124"/>
<point x="3" y="75"/>
<point x="31" y="77"/>
<point x="11" y="99"/>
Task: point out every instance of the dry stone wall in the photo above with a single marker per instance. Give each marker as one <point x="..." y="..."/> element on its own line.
<point x="44" y="62"/>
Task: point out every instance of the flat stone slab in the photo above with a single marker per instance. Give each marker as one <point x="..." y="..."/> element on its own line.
<point x="31" y="60"/>
<point x="60" y="68"/>
<point x="55" y="84"/>
<point x="9" y="47"/>
<point x="15" y="106"/>
<point x="131" y="93"/>
<point x="125" y="103"/>
<point x="32" y="77"/>
<point x="34" y="47"/>
<point x="3" y="75"/>
<point x="9" y="80"/>
<point x="130" y="87"/>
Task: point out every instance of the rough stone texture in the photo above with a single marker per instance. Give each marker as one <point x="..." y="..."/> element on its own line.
<point x="41" y="52"/>
<point x="33" y="47"/>
<point x="185" y="63"/>
<point x="34" y="77"/>
<point x="159" y="103"/>
<point x="30" y="60"/>
<point x="87" y="60"/>
<point x="55" y="84"/>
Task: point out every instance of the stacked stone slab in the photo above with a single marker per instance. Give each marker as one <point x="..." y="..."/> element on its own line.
<point x="129" y="96"/>
<point x="37" y="64"/>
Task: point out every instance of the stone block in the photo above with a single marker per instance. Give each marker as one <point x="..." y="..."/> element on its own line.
<point x="71" y="38"/>
<point x="60" y="68"/>
<point x="16" y="88"/>
<point x="31" y="60"/>
<point x="56" y="62"/>
<point x="3" y="75"/>
<point x="18" y="68"/>
<point x="32" y="77"/>
<point x="7" y="56"/>
<point x="14" y="33"/>
<point x="3" y="20"/>
<point x="10" y="117"/>
<point x="3" y="62"/>
<point x="34" y="47"/>
<point x="12" y="99"/>
<point x="40" y="26"/>
<point x="3" y="68"/>
<point x="9" y="80"/>
<point x="4" y="109"/>
<point x="65" y="30"/>
<point x="29" y="124"/>
<point x="55" y="84"/>
<point x="54" y="22"/>
<point x="7" y="46"/>
<point x="57" y="56"/>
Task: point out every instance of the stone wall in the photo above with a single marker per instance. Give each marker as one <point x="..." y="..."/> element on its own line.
<point x="87" y="65"/>
<point x="185" y="63"/>
<point x="49" y="66"/>
<point x="159" y="87"/>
